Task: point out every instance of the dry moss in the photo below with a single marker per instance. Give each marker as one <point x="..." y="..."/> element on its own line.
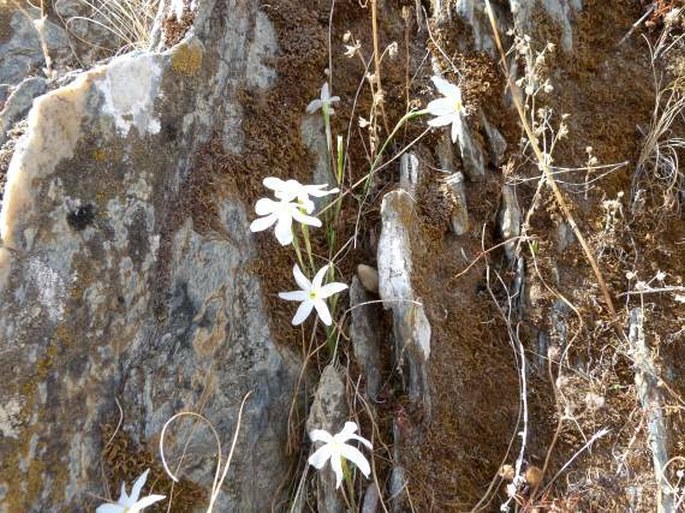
<point x="124" y="460"/>
<point x="187" y="59"/>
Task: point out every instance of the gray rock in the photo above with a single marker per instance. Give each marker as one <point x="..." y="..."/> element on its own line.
<point x="107" y="292"/>
<point x="459" y="218"/>
<point x="314" y="137"/>
<point x="411" y="329"/>
<point x="471" y="153"/>
<point x="21" y="51"/>
<point x="560" y="11"/>
<point x="564" y="236"/>
<point x="474" y="14"/>
<point x="19" y="103"/>
<point x="409" y="172"/>
<point x="365" y="336"/>
<point x="368" y="276"/>
<point x="509" y="220"/>
<point x="454" y="183"/>
<point x="497" y="145"/>
<point x="329" y="412"/>
<point x="371" y="499"/>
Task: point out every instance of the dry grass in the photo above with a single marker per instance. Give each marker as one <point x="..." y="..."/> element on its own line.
<point x="127" y="22"/>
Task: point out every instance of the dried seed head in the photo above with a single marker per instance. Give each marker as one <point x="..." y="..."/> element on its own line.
<point x="533" y="475"/>
<point x="507" y="472"/>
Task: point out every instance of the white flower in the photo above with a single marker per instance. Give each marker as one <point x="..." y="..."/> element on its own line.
<point x="335" y="449"/>
<point x="324" y="102"/>
<point x="292" y="189"/>
<point x="447" y="110"/>
<point x="131" y="504"/>
<point x="282" y="213"/>
<point x="312" y="295"/>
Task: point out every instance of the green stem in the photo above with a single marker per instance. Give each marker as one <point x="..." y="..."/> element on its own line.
<point x="308" y="246"/>
<point x="296" y="245"/>
<point x="407" y="117"/>
<point x="349" y="484"/>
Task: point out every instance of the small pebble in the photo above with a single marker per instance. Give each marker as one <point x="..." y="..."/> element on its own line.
<point x="368" y="276"/>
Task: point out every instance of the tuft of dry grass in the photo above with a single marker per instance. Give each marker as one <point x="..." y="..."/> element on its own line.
<point x="128" y="22"/>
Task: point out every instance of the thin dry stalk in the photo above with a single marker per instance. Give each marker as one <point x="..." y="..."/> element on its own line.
<point x="545" y="167"/>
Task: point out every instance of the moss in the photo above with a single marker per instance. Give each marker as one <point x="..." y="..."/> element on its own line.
<point x="187" y="59"/>
<point x="124" y="459"/>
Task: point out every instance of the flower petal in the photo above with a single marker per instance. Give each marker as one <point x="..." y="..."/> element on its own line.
<point x="331" y="288"/>
<point x="441" y="106"/>
<point x="273" y="183"/>
<point x="138" y="485"/>
<point x="336" y="463"/>
<point x="318" y="278"/>
<point x="322" y="310"/>
<point x="305" y="219"/>
<point x="325" y="92"/>
<point x="456" y="128"/>
<point x="313" y="106"/>
<point x="301" y="279"/>
<point x="303" y="312"/>
<point x="284" y="230"/>
<point x="442" y="120"/>
<point x="123" y="496"/>
<point x="320" y="456"/>
<point x="318" y="190"/>
<point x="110" y="508"/>
<point x="145" y="502"/>
<point x="290" y="189"/>
<point x="446" y="88"/>
<point x="262" y="223"/>
<point x="320" y="435"/>
<point x="297" y="295"/>
<point x="355" y="456"/>
<point x="348" y="429"/>
<point x="361" y="439"/>
<point x="265" y="206"/>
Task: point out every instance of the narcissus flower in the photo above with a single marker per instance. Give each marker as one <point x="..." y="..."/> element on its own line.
<point x="323" y="102"/>
<point x="292" y="189"/>
<point x="313" y="295"/>
<point x="449" y="109"/>
<point x="281" y="213"/>
<point x="132" y="503"/>
<point x="335" y="449"/>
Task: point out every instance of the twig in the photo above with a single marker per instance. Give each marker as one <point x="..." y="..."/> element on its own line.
<point x="637" y="24"/>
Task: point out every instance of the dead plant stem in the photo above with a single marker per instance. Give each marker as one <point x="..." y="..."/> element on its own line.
<point x="544" y="165"/>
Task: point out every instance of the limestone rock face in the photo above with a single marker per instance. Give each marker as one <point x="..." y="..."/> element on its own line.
<point x="108" y="294"/>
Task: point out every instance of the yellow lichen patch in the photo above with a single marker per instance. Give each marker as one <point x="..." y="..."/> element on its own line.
<point x="187" y="59"/>
<point x="99" y="154"/>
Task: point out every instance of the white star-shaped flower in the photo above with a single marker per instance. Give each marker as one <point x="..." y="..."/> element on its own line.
<point x="449" y="109"/>
<point x="312" y="295"/>
<point x="335" y="449"/>
<point x="292" y="189"/>
<point x="132" y="503"/>
<point x="324" y="102"/>
<point x="282" y="213"/>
